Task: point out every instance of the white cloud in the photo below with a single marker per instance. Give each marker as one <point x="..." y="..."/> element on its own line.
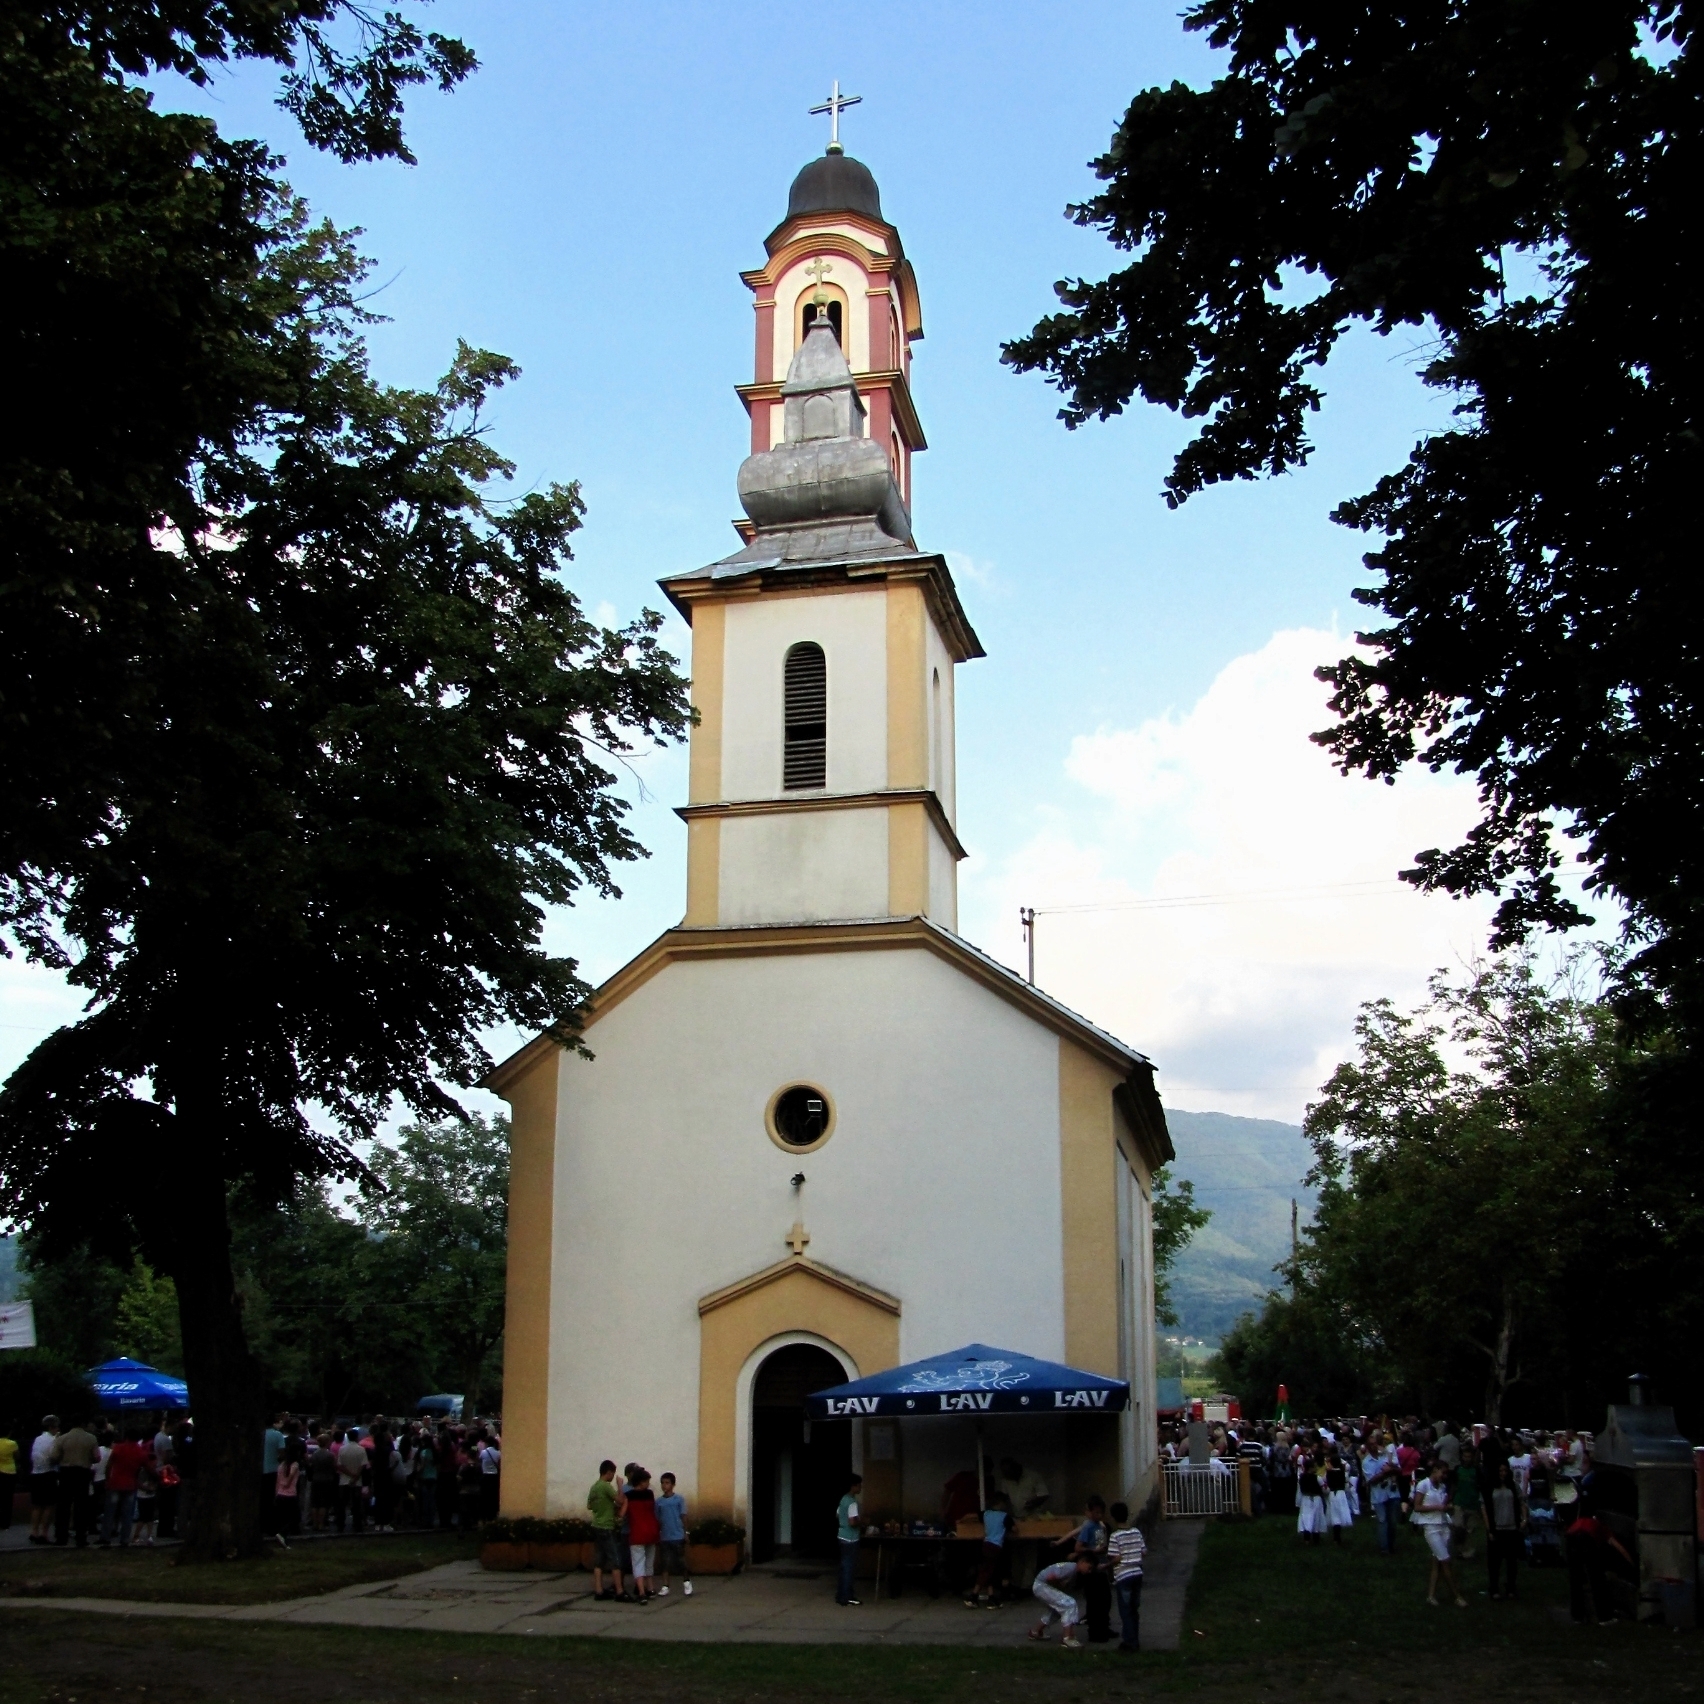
<point x="1245" y="1004"/>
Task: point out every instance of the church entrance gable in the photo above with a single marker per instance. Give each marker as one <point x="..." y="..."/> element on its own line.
<point x="795" y="1302"/>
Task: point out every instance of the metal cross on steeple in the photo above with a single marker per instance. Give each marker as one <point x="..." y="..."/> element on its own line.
<point x="834" y="106"/>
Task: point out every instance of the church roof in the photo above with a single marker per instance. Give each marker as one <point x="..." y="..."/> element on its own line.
<point x="835" y="183"/>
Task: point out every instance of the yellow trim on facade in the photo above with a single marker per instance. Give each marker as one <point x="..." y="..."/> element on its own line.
<point x="704" y="872"/>
<point x="531" y="1094"/>
<point x="1088" y="1161"/>
<point x="907" y="685"/>
<point x="709" y="653"/>
<point x="927" y="798"/>
<point x="908" y="860"/>
<point x="793" y="1295"/>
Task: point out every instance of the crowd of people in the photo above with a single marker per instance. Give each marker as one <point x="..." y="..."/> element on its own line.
<point x="94" y="1481"/>
<point x="384" y="1475"/>
<point x="1521" y="1496"/>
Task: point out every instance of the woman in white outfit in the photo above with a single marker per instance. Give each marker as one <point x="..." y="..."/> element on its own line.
<point x="1051" y="1587"/>
<point x="1432" y="1516"/>
<point x="1310" y="1496"/>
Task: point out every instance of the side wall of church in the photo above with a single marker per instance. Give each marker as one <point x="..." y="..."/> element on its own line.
<point x="940" y="1184"/>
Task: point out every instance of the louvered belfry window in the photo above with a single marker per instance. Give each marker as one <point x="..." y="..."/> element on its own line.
<point x="805" y="756"/>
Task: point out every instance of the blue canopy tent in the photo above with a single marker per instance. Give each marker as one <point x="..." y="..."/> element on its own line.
<point x="132" y="1384"/>
<point x="973" y="1380"/>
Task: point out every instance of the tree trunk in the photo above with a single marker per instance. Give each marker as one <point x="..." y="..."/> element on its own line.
<point x="1497" y="1382"/>
<point x="224" y="1386"/>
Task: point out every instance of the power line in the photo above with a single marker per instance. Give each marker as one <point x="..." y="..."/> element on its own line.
<point x="1348" y="890"/>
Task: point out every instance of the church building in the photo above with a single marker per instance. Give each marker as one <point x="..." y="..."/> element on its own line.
<point x="820" y="1134"/>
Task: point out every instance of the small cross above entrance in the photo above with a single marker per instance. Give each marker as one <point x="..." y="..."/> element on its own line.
<point x="834" y="106"/>
<point x="797" y="1238"/>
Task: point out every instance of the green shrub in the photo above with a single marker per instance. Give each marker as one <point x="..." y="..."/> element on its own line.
<point x="716" y="1531"/>
<point x="526" y="1529"/>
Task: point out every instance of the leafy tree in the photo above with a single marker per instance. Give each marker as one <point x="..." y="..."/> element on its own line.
<point x="1176" y="1220"/>
<point x="1309" y="1345"/>
<point x="437" y="1218"/>
<point x="149" y="315"/>
<point x="344" y="748"/>
<point x="1517" y="181"/>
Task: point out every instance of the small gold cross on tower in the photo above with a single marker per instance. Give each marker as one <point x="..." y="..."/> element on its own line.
<point x="797" y="1237"/>
<point x="819" y="270"/>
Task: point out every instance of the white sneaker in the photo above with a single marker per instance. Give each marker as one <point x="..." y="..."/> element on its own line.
<point x="662" y="1591"/>
<point x="686" y="1589"/>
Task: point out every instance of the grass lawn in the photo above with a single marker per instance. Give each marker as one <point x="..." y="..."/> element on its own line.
<point x="1274" y="1622"/>
<point x="153" y="1576"/>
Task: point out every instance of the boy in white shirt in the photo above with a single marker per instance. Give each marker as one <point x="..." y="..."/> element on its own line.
<point x="1125" y="1549"/>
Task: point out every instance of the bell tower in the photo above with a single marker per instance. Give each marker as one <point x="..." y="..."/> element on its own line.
<point x="822" y="776"/>
<point x="834" y="256"/>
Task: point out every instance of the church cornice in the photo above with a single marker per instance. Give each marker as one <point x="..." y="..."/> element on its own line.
<point x="925" y="796"/>
<point x="930" y="571"/>
<point x="798" y="1263"/>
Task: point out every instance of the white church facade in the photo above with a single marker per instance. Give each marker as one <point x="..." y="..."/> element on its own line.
<point x="820" y="1134"/>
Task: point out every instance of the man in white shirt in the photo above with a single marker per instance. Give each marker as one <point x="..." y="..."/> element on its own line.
<point x="1382" y="1476"/>
<point x="1522" y="1465"/>
<point x="44" y="1481"/>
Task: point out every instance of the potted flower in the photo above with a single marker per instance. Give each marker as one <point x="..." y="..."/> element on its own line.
<point x="559" y="1546"/>
<point x="523" y="1542"/>
<point x="501" y="1546"/>
<point x="715" y="1546"/>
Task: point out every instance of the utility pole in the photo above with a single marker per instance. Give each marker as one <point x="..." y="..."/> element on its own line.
<point x="1026" y="916"/>
<point x="1294" y="1243"/>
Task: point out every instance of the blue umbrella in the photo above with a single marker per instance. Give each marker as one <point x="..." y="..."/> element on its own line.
<point x="131" y="1384"/>
<point x="973" y="1380"/>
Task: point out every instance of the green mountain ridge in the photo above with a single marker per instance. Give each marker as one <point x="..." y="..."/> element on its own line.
<point x="1246" y="1171"/>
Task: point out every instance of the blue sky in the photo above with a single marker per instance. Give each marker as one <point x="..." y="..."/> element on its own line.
<point x="1137" y="731"/>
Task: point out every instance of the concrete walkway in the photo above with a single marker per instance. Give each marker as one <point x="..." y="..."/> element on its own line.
<point x="790" y="1604"/>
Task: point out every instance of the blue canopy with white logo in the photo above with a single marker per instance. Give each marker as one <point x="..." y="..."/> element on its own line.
<point x="133" y="1384"/>
<point x="972" y="1380"/>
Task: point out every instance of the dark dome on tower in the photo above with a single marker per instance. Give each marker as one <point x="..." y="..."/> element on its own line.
<point x="835" y="183"/>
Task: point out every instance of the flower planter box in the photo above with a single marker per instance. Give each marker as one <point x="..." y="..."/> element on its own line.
<point x="714" y="1558"/>
<point x="557" y="1558"/>
<point x="503" y="1556"/>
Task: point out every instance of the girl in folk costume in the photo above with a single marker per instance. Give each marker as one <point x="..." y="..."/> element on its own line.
<point x="1338" y="1515"/>
<point x="1310" y="1496"/>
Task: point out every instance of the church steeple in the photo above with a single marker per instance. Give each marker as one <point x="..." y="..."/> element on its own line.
<point x="835" y="256"/>
<point x="822" y="777"/>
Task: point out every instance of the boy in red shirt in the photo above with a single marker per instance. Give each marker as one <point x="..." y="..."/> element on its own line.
<point x="642" y="1532"/>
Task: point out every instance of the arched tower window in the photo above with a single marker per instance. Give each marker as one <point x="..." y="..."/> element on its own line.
<point x="805" y="748"/>
<point x="836" y="313"/>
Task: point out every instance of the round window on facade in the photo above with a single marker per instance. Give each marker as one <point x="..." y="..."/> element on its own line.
<point x="800" y="1117"/>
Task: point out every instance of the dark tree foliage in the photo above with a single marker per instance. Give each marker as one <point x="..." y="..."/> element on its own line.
<point x="300" y="728"/>
<point x="1518" y="181"/>
<point x="1501" y="1239"/>
<point x="1176" y="1220"/>
<point x="147" y="316"/>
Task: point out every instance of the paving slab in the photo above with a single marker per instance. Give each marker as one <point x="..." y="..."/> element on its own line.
<point x="761" y="1606"/>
